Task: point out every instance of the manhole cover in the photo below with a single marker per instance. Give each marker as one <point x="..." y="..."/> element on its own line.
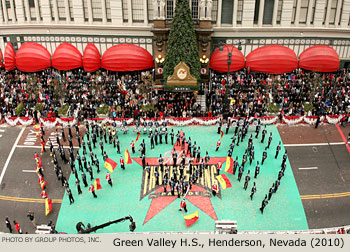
<point x="314" y="149"/>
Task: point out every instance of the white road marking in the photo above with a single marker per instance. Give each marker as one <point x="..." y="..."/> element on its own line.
<point x="10" y="155"/>
<point x="28" y="171"/>
<point x="0" y="135"/>
<point x="313" y="144"/>
<point x="1" y="130"/>
<point x="46" y="147"/>
<point x="308" y="168"/>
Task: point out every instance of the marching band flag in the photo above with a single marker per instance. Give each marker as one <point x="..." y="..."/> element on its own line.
<point x="191" y="219"/>
<point x="127" y="157"/>
<point x="42" y="185"/>
<point x="110" y="165"/>
<point x="224" y="181"/>
<point x="138" y="136"/>
<point x="229" y="165"/>
<point x="97" y="184"/>
<point x="36" y="127"/>
<point x="48" y="206"/>
<point x="222" y="134"/>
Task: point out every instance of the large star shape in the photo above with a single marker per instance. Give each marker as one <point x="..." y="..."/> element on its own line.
<point x="200" y="196"/>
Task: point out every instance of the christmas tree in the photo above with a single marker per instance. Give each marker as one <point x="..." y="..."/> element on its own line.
<point x="182" y="44"/>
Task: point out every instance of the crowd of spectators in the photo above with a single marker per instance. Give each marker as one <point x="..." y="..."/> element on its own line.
<point x="295" y="93"/>
<point x="51" y="93"/>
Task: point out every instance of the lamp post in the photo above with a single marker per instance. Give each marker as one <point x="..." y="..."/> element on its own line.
<point x="229" y="55"/>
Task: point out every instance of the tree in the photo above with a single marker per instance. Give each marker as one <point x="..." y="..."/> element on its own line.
<point x="182" y="44"/>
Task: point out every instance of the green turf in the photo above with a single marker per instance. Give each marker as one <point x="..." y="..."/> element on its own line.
<point x="284" y="211"/>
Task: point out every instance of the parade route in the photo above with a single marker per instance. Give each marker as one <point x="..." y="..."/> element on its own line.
<point x="319" y="163"/>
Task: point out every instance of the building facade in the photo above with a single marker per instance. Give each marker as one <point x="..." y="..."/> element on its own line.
<point x="297" y="24"/>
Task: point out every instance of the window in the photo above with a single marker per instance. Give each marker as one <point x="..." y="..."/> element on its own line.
<point x="150" y="10"/>
<point x="333" y="12"/>
<point x="341" y="12"/>
<point x="256" y="11"/>
<point x="40" y="11"/>
<point x="86" y="10"/>
<point x="214" y="11"/>
<point x="137" y="11"/>
<point x="125" y="10"/>
<point x="268" y="11"/>
<point x="279" y="11"/>
<point x="227" y="11"/>
<point x="194" y="9"/>
<point x="61" y="10"/>
<point x="71" y="13"/>
<point x="239" y="11"/>
<point x="169" y="9"/>
<point x="32" y="10"/>
<point x="31" y="3"/>
<point x="325" y="12"/>
<point x="294" y="11"/>
<point x="96" y="6"/>
<point x="303" y="11"/>
<point x="108" y="10"/>
<point x="313" y="12"/>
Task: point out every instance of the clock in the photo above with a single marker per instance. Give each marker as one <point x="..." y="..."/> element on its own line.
<point x="181" y="73"/>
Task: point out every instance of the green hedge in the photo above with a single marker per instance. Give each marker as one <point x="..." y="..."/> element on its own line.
<point x="39" y="107"/>
<point x="272" y="108"/>
<point x="19" y="109"/>
<point x="64" y="109"/>
<point x="103" y="110"/>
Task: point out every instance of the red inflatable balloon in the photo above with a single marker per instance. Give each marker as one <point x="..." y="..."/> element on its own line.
<point x="32" y="57"/>
<point x="319" y="58"/>
<point x="274" y="59"/>
<point x="126" y="57"/>
<point x="9" y="57"/>
<point x="1" y="64"/>
<point x="218" y="60"/>
<point x="91" y="58"/>
<point x="66" y="57"/>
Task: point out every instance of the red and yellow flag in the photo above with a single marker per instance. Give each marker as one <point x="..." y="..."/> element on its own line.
<point x="127" y="157"/>
<point x="97" y="184"/>
<point x="224" y="181"/>
<point x="138" y="136"/>
<point x="110" y="164"/>
<point x="48" y="206"/>
<point x="222" y="134"/>
<point x="229" y="165"/>
<point x="191" y="219"/>
<point x="36" y="127"/>
<point x="42" y="185"/>
<point x="42" y="149"/>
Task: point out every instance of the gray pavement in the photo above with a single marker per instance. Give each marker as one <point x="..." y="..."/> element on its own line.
<point x="331" y="176"/>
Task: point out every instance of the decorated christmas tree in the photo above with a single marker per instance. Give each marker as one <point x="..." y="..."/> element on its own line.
<point x="182" y="44"/>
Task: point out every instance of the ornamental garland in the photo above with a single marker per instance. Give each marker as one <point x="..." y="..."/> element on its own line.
<point x="50" y="123"/>
<point x="334" y="120"/>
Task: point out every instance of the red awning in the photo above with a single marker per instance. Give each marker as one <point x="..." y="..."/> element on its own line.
<point x="126" y="57"/>
<point x="9" y="57"/>
<point x="274" y="59"/>
<point x="218" y="60"/>
<point x="66" y="57"/>
<point x="319" y="58"/>
<point x="91" y="58"/>
<point x="32" y="57"/>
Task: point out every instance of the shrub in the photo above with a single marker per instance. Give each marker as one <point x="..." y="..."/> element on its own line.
<point x="19" y="109"/>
